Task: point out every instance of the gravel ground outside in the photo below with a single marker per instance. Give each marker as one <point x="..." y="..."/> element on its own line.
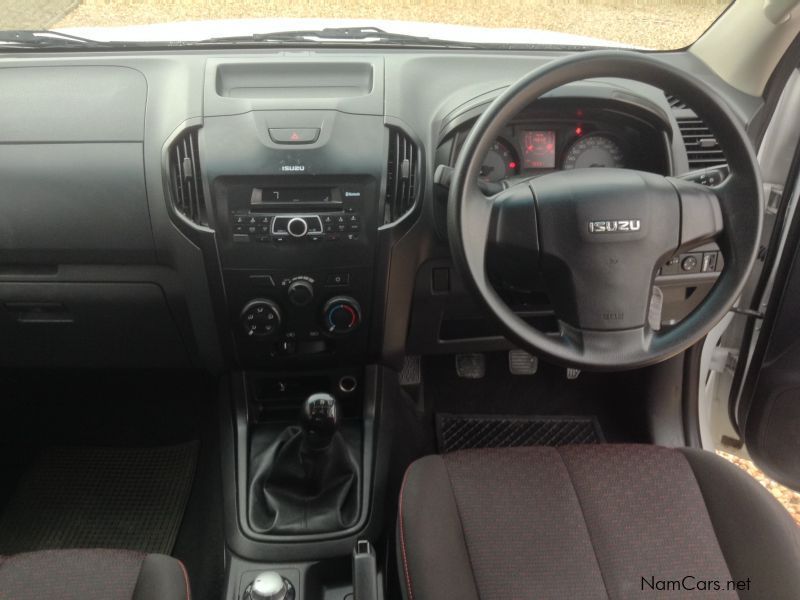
<point x="789" y="498"/>
<point x="658" y="24"/>
<point x="34" y="14"/>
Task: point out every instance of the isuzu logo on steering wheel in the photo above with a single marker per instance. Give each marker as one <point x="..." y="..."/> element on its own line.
<point x="616" y="226"/>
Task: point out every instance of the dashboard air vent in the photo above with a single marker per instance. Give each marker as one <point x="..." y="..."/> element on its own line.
<point x="702" y="147"/>
<point x="402" y="176"/>
<point x="184" y="174"/>
<point x="676" y="102"/>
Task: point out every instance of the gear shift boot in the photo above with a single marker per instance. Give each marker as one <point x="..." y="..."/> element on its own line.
<point x="307" y="479"/>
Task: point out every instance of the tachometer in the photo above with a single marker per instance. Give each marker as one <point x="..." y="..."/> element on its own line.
<point x="501" y="161"/>
<point x="594" y="151"/>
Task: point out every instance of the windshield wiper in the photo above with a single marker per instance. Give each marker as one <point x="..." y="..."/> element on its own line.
<point x="342" y="35"/>
<point x="45" y="38"/>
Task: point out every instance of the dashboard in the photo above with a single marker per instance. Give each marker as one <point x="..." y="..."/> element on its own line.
<point x="231" y="209"/>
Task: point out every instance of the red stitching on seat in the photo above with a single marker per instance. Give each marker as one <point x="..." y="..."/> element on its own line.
<point x="186" y="580"/>
<point x="403" y="538"/>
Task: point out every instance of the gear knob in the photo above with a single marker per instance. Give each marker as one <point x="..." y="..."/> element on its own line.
<point x="269" y="585"/>
<point x="320" y="417"/>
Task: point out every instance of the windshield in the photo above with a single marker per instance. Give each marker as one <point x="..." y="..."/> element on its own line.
<point x="652" y="24"/>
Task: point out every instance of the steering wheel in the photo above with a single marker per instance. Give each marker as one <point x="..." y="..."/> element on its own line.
<point x="598" y="236"/>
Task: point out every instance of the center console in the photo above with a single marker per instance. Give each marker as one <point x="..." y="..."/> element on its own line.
<point x="291" y="182"/>
<point x="296" y="227"/>
<point x="298" y="262"/>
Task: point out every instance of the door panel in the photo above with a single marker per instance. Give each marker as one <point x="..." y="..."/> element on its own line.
<point x="768" y="412"/>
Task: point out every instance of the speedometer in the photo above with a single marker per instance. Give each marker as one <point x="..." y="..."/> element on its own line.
<point x="594" y="151"/>
<point x="500" y="162"/>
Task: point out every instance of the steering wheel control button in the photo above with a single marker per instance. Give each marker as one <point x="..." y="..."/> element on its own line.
<point x="690" y="264"/>
<point x="297" y="227"/>
<point x="304" y="135"/>
<point x="341" y="314"/>
<point x="270" y="586"/>
<point x="709" y="262"/>
<point x="261" y="318"/>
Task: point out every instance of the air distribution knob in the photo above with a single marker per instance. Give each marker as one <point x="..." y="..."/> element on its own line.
<point x="269" y="585"/>
<point x="341" y="314"/>
<point x="261" y="318"/>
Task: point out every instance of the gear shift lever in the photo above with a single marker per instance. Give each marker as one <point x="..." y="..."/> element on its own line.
<point x="320" y="420"/>
<point x="307" y="479"/>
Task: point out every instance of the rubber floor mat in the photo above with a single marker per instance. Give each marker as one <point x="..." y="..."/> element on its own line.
<point x="461" y="432"/>
<point x="127" y="498"/>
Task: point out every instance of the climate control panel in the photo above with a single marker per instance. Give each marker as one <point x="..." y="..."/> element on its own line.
<point x="289" y="315"/>
<point x="261" y="318"/>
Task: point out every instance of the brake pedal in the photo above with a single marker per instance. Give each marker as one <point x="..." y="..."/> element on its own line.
<point x="522" y="363"/>
<point x="471" y="366"/>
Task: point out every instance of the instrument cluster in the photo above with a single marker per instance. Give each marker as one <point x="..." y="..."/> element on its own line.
<point x="531" y="149"/>
<point x="572" y="138"/>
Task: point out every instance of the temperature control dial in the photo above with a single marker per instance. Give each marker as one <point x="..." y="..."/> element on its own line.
<point x="342" y="314"/>
<point x="261" y="318"/>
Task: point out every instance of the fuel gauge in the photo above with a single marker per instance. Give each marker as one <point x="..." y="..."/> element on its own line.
<point x="501" y="162"/>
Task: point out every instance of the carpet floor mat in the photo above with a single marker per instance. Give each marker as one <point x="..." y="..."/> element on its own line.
<point x="461" y="432"/>
<point x="93" y="497"/>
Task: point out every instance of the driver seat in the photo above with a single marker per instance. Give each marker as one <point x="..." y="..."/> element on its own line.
<point x="591" y="521"/>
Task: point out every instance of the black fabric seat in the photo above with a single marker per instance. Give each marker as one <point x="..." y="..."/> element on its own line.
<point x="92" y="575"/>
<point x="592" y="521"/>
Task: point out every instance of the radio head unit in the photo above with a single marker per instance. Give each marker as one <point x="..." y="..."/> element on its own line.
<point x="316" y="212"/>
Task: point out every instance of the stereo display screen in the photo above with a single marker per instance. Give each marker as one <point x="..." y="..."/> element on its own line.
<point x="291" y="196"/>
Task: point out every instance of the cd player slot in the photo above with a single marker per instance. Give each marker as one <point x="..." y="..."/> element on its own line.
<point x="296" y="199"/>
<point x="311" y="207"/>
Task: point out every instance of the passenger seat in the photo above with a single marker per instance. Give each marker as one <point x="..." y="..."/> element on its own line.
<point x="89" y="574"/>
